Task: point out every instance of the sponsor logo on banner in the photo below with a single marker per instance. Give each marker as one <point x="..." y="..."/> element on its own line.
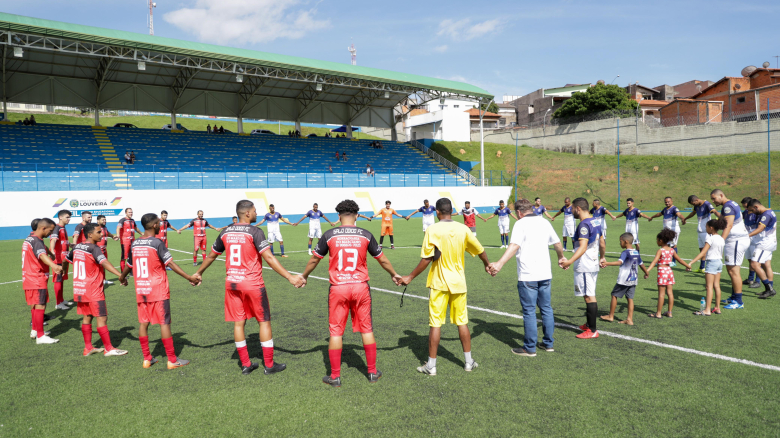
<point x="96" y="212"/>
<point x="84" y="203"/>
<point x="59" y="202"/>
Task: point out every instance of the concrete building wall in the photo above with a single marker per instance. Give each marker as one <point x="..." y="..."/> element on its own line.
<point x="600" y="137"/>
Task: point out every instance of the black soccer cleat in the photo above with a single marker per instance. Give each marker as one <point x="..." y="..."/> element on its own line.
<point x="336" y="383"/>
<point x="373" y="378"/>
<point x="277" y="368"/>
<point x="767" y="294"/>
<point x="248" y="370"/>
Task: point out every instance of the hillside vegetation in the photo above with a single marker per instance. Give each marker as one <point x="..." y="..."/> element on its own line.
<point x="648" y="179"/>
<point x="157" y="122"/>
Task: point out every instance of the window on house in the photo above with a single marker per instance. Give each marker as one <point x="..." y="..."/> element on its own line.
<point x="456" y="106"/>
<point x="442" y="106"/>
<point x="646" y="96"/>
<point x="740" y="100"/>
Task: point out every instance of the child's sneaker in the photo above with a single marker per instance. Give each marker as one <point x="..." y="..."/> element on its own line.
<point x="735" y="305"/>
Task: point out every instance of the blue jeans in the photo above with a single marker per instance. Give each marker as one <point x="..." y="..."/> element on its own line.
<point x="533" y="294"/>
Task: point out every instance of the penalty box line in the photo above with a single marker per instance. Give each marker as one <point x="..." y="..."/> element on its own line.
<point x="569" y="326"/>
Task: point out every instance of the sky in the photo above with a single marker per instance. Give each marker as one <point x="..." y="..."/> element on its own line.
<point x="507" y="47"/>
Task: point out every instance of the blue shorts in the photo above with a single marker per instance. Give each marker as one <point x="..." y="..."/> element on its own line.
<point x="713" y="267"/>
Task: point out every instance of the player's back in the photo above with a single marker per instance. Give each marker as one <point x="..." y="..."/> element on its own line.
<point x="348" y="247"/>
<point x="148" y="257"/>
<point x="450" y="241"/>
<point x="243" y="245"/>
<point x="34" y="272"/>
<point x="88" y="274"/>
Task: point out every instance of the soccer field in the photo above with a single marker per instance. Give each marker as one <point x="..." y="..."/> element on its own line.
<point x="682" y="376"/>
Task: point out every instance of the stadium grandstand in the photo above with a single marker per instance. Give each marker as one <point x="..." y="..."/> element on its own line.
<point x="59" y="64"/>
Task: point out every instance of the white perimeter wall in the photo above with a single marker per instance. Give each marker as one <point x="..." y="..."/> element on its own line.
<point x="21" y="207"/>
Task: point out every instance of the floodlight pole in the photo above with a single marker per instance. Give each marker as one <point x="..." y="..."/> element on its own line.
<point x="5" y="103"/>
<point x="482" y="142"/>
<point x="768" y="154"/>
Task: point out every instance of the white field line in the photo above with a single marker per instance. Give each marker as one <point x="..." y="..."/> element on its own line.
<point x="9" y="282"/>
<point x="568" y="326"/>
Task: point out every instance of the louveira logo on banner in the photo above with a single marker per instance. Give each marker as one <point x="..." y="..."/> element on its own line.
<point x="78" y="206"/>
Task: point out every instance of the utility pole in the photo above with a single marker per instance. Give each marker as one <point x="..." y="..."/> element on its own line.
<point x="152" y="5"/>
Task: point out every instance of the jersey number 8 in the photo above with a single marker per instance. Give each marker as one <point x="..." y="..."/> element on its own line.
<point x="352" y="260"/>
<point x="235" y="255"/>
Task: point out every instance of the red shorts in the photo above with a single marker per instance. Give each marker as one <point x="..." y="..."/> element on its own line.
<point x="200" y="243"/>
<point x="125" y="247"/>
<point x="36" y="296"/>
<point x="92" y="308"/>
<point x="349" y="298"/>
<point x="155" y="312"/>
<point x="241" y="305"/>
<point x="665" y="276"/>
<point x="58" y="278"/>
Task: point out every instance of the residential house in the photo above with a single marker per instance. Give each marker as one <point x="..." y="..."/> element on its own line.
<point x="540" y="104"/>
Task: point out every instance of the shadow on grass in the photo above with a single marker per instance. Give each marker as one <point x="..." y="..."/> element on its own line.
<point x="501" y="332"/>
<point x="350" y="356"/>
<point x="418" y="344"/>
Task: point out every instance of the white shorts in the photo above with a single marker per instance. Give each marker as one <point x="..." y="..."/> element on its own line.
<point x="427" y="223"/>
<point x="633" y="228"/>
<point x="315" y="231"/>
<point x="568" y="229"/>
<point x="503" y="226"/>
<point x="274" y="235"/>
<point x="734" y="251"/>
<point x="751" y="250"/>
<point x="702" y="240"/>
<point x="585" y="284"/>
<point x="761" y="256"/>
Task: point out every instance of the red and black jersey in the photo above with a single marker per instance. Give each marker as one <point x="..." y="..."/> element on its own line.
<point x="469" y="215"/>
<point x="347" y="247"/>
<point x="60" y="234"/>
<point x="126" y="230"/>
<point x="198" y="227"/>
<point x="88" y="272"/>
<point x="35" y="274"/>
<point x="242" y="245"/>
<point x="103" y="240"/>
<point x="148" y="257"/>
<point x="79" y="233"/>
<point x="163" y="234"/>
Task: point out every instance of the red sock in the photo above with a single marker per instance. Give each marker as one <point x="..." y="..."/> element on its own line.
<point x="169" y="351"/>
<point x="204" y="256"/>
<point x="103" y="332"/>
<point x="194" y="257"/>
<point x="86" y="330"/>
<point x="243" y="354"/>
<point x="371" y="357"/>
<point x="145" y="347"/>
<point x="268" y="356"/>
<point x="37" y="321"/>
<point x="59" y="298"/>
<point x="335" y="363"/>
<point x="122" y="265"/>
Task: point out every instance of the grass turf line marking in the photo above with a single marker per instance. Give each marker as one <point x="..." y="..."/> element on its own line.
<point x="568" y="326"/>
<point x="9" y="282"/>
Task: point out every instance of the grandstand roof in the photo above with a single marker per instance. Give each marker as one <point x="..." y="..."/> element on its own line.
<point x="196" y="78"/>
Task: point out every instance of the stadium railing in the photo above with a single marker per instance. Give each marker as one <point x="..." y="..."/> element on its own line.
<point x="43" y="178"/>
<point x="447" y="163"/>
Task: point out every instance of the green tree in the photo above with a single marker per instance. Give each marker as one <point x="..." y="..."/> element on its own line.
<point x="596" y="99"/>
<point x="492" y="108"/>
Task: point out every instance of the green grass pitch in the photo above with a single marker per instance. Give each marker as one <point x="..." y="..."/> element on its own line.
<point x="609" y="386"/>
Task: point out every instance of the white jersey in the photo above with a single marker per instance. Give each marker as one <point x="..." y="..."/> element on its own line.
<point x="767" y="238"/>
<point x="589" y="229"/>
<point x="738" y="230"/>
<point x="716" y="247"/>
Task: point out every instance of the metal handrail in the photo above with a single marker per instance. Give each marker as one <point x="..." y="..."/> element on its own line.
<point x="447" y="163"/>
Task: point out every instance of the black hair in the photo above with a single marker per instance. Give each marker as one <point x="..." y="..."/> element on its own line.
<point x="128" y="208"/>
<point x="444" y="205"/>
<point x="147" y="220"/>
<point x="90" y="227"/>
<point x="315" y="204"/>
<point x="243" y="205"/>
<point x="347" y="206"/>
<point x="86" y="212"/>
<point x="235" y="217"/>
<point x="630" y="199"/>
<point x="164" y="212"/>
<point x="34" y="224"/>
<point x="746" y="200"/>
<point x="425" y="200"/>
<point x="467" y="202"/>
<point x="62" y="213"/>
<point x="100" y="216"/>
<point x="537" y="198"/>
<point x="388" y="202"/>
<point x="666" y="235"/>
<point x="692" y="199"/>
<point x="501" y="201"/>
<point x="567" y="199"/>
<point x="627" y="237"/>
<point x="717" y="224"/>
<point x="667" y="197"/>
<point x="270" y="205"/>
<point x="582" y="203"/>
<point x="753" y="203"/>
<point x="44" y="222"/>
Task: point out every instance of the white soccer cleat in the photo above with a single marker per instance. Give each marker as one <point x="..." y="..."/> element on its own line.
<point x="62" y="306"/>
<point x="425" y="370"/>
<point x="115" y="352"/>
<point x="46" y="340"/>
<point x="34" y="334"/>
<point x="471" y="365"/>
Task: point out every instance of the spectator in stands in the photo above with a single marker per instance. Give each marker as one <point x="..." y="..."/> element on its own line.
<point x="132" y="157"/>
<point x="26" y="121"/>
<point x="221" y="129"/>
<point x="338" y="157"/>
<point x="32" y="120"/>
<point x="379" y="145"/>
<point x="344" y="156"/>
<point x="330" y="169"/>
<point x="368" y="170"/>
<point x="19" y="122"/>
<point x="208" y="128"/>
<point x="127" y="157"/>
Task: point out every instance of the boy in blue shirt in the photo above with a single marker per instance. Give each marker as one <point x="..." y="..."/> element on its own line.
<point x="627" y="278"/>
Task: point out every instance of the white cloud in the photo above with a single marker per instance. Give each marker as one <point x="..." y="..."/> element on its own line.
<point x="464" y="30"/>
<point x="440" y="49"/>
<point x="246" y="21"/>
